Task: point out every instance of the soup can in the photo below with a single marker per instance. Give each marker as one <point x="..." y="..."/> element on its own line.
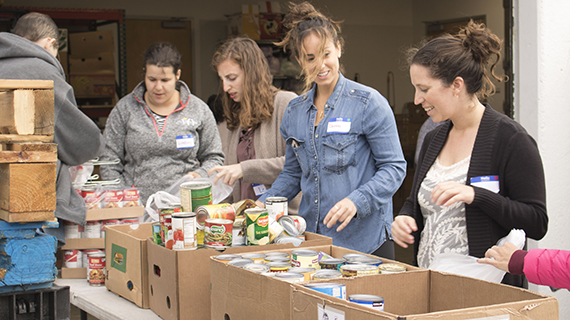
<point x="368" y="300"/>
<point x="305" y="258"/>
<point x="257" y="268"/>
<point x="218" y="233"/>
<point x="225" y="258"/>
<point x="96" y="269"/>
<point x="290" y="276"/>
<point x="162" y="213"/>
<point x="91" y="197"/>
<point x="306" y="272"/>
<point x="326" y="274"/>
<point x="332" y="289"/>
<point x="105" y="223"/>
<point x="112" y="197"/>
<point x="257" y="222"/>
<point x="332" y="264"/>
<point x="73" y="259"/>
<point x="238" y="232"/>
<point x="277" y="259"/>
<point x="131" y="197"/>
<point x="72" y="230"/>
<point x="239" y="262"/>
<point x="131" y="221"/>
<point x="296" y="241"/>
<point x="276" y="207"/>
<point x="92" y="229"/>
<point x="156" y="233"/>
<point x="194" y="194"/>
<point x="184" y="231"/>
<point x="256" y="257"/>
<point x="167" y="231"/>
<point x="351" y="270"/>
<point x="216" y="211"/>
<point x="293" y="225"/>
<point x="85" y="255"/>
<point x="278" y="266"/>
<point x="388" y="268"/>
<point x="277" y="254"/>
<point x="353" y="256"/>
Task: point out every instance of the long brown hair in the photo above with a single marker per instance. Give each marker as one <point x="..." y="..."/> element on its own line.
<point x="256" y="105"/>
<point x="301" y="21"/>
<point x="464" y="55"/>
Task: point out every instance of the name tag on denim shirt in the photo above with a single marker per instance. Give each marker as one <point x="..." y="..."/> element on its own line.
<point x="338" y="125"/>
<point x="259" y="189"/>
<point x="490" y="183"/>
<point x="185" y="142"/>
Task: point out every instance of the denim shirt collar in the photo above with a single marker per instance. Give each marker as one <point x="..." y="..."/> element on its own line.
<point x="309" y="96"/>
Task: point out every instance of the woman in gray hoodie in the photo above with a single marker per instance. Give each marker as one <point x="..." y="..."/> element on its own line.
<point x="160" y="131"/>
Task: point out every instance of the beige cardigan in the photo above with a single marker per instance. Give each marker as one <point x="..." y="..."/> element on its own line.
<point x="269" y="151"/>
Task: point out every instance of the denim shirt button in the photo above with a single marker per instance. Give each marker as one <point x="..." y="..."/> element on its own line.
<point x="316" y="179"/>
<point x="316" y="136"/>
<point x="316" y="200"/>
<point x="352" y="91"/>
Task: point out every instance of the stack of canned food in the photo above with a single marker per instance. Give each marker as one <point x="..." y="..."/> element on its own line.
<point x="98" y="197"/>
<point x="307" y="265"/>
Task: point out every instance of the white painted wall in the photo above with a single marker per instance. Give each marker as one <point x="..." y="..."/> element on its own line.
<point x="542" y="76"/>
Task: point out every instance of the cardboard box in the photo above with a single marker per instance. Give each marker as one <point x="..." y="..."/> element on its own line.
<point x="245" y="23"/>
<point x="101" y="63"/>
<point x="93" y="86"/>
<point x="87" y="44"/>
<point x="425" y="295"/>
<point x="179" y="281"/>
<point x="84" y="243"/>
<point x="241" y="294"/>
<point x="114" y="213"/>
<point x="126" y="262"/>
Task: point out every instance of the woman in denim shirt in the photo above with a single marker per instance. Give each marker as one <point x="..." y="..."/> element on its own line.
<point x="343" y="150"/>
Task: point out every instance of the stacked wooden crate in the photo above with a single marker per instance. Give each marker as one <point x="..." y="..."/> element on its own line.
<point x="28" y="159"/>
<point x="28" y="155"/>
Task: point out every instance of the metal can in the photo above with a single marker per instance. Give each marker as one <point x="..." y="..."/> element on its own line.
<point x="85" y="255"/>
<point x="239" y="262"/>
<point x="184" y="231"/>
<point x="162" y="213"/>
<point x="131" y="221"/>
<point x="256" y="257"/>
<point x="257" y="222"/>
<point x="194" y="194"/>
<point x="96" y="270"/>
<point x="388" y="268"/>
<point x="277" y="254"/>
<point x="156" y="233"/>
<point x="332" y="289"/>
<point x="131" y="197"/>
<point x="112" y="197"/>
<point x="92" y="229"/>
<point x="91" y="197"/>
<point x="365" y="260"/>
<point x="225" y="258"/>
<point x="326" y="274"/>
<point x="218" y="233"/>
<point x="333" y="264"/>
<point x="105" y="223"/>
<point x="275" y="230"/>
<point x="306" y="272"/>
<point x="290" y="276"/>
<point x="238" y="232"/>
<point x="257" y="268"/>
<point x="352" y="256"/>
<point x="216" y="211"/>
<point x="73" y="230"/>
<point x="351" y="270"/>
<point x="276" y="207"/>
<point x="296" y="241"/>
<point x="278" y="266"/>
<point x="368" y="300"/>
<point x="73" y="259"/>
<point x="305" y="258"/>
<point x="277" y="259"/>
<point x="293" y="225"/>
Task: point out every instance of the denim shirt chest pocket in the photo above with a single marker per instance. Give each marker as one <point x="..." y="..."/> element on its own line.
<point x="299" y="147"/>
<point x="339" y="151"/>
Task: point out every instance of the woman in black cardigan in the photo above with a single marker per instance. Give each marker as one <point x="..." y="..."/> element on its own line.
<point x="479" y="174"/>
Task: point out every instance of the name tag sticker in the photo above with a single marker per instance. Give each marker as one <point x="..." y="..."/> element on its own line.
<point x="259" y="189"/>
<point x="490" y="183"/>
<point x="185" y="142"/>
<point x="339" y="125"/>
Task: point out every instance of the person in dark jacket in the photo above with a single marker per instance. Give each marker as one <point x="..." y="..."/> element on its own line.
<point x="30" y="53"/>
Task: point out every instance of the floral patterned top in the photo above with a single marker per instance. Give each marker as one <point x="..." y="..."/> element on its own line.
<point x="445" y="227"/>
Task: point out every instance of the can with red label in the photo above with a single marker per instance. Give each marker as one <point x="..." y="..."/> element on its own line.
<point x="131" y="197"/>
<point x="112" y="198"/>
<point x="91" y="197"/>
<point x="167" y="231"/>
<point x="72" y="230"/>
<point x="218" y="233"/>
<point x="163" y="213"/>
<point x="276" y="208"/>
<point x="92" y="229"/>
<point x="130" y="221"/>
<point x="293" y="225"/>
<point x="184" y="231"/>
<point x="105" y="223"/>
<point x="85" y="255"/>
<point x="96" y="269"/>
<point x="72" y="259"/>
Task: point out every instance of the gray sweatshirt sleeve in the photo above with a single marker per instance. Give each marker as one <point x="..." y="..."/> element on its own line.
<point x="115" y="132"/>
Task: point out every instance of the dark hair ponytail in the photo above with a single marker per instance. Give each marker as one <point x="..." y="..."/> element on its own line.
<point x="162" y="54"/>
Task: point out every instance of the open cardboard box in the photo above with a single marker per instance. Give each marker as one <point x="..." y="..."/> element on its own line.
<point x="179" y="281"/>
<point x="425" y="295"/>
<point x="238" y="294"/>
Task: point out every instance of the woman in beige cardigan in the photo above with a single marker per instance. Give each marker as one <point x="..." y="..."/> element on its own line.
<point x="253" y="109"/>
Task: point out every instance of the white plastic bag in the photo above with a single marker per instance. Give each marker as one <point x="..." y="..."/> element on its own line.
<point x="468" y="266"/>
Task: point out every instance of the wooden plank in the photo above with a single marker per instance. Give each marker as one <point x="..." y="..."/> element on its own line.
<point x="26" y="216"/>
<point x="10" y="138"/>
<point x="44" y="112"/>
<point x="17" y="109"/>
<point x="31" y="146"/>
<point x="9" y="84"/>
<point x="27" y="187"/>
<point x="27" y="156"/>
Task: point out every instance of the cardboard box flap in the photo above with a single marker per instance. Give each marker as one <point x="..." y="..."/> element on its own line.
<point x="101" y="63"/>
<point x="89" y="43"/>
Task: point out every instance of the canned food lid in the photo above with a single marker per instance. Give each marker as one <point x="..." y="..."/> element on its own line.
<point x="240" y="262"/>
<point x="304" y="252"/>
<point x="332" y="261"/>
<point x="239" y="222"/>
<point x="253" y="255"/>
<point x="289" y="225"/>
<point x="392" y="267"/>
<point x="364" y="260"/>
<point x="301" y="270"/>
<point x="255" y="210"/>
<point x="324" y="285"/>
<point x="327" y="274"/>
<point x="365" y="297"/>
<point x="287" y="239"/>
<point x="290" y="275"/>
<point x="276" y="254"/>
<point x="278" y="264"/>
<point x="195" y="185"/>
<point x="275" y="199"/>
<point x="96" y="254"/>
<point x="226" y="257"/>
<point x="277" y="259"/>
<point x="256" y="267"/>
<point x="183" y="215"/>
<point x="358" y="267"/>
<point x="354" y="255"/>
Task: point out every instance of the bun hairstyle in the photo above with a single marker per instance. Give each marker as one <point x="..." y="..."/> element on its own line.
<point x="464" y="55"/>
<point x="302" y="20"/>
<point x="162" y="55"/>
<point x="256" y="106"/>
